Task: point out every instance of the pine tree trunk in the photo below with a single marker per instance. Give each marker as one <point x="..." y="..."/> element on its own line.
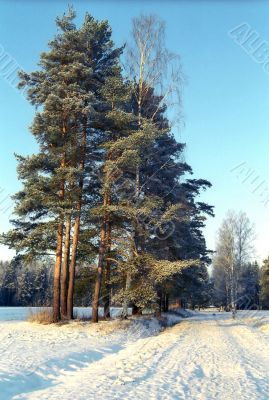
<point x="72" y="269"/>
<point x="108" y="264"/>
<point x="160" y="303"/>
<point x="107" y="292"/>
<point x="101" y="261"/>
<point x="56" y="302"/>
<point x="126" y="302"/>
<point x="57" y="275"/>
<point x="136" y="310"/>
<point x="179" y="303"/>
<point x="163" y="302"/>
<point x="166" y="302"/>
<point x="65" y="268"/>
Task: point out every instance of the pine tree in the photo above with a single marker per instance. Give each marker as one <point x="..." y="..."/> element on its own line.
<point x="248" y="286"/>
<point x="177" y="219"/>
<point x="121" y="157"/>
<point x="66" y="88"/>
<point x="264" y="282"/>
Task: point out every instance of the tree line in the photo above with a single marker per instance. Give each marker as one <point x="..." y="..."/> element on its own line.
<point x="29" y="284"/>
<point x="108" y="194"/>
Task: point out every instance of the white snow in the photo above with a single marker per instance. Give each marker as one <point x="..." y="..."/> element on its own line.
<point x="204" y="357"/>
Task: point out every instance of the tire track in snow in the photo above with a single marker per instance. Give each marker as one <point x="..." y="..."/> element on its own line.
<point x="251" y="351"/>
<point x="203" y="358"/>
<point x="110" y="377"/>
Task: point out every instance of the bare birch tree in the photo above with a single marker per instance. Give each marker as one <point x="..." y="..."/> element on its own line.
<point x="234" y="249"/>
<point x="149" y="64"/>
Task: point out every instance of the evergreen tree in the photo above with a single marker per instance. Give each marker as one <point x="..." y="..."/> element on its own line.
<point x="175" y="230"/>
<point x="122" y="155"/>
<point x="264" y="282"/>
<point x="77" y="65"/>
<point x="248" y="286"/>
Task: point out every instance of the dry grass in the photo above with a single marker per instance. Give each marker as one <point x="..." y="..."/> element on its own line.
<point x="43" y="316"/>
<point x="40" y="316"/>
<point x="107" y="327"/>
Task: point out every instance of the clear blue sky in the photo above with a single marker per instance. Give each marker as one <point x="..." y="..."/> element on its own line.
<point x="225" y="101"/>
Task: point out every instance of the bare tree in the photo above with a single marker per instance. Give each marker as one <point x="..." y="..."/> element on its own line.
<point x="234" y="249"/>
<point x="151" y="66"/>
<point x="245" y="237"/>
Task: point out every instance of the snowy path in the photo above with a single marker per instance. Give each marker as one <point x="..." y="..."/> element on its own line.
<point x="205" y="357"/>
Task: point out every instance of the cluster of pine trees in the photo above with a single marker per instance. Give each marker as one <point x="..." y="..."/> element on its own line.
<point x="109" y="186"/>
<point x="23" y="284"/>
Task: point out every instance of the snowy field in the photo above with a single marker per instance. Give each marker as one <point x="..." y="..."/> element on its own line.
<point x="204" y="357"/>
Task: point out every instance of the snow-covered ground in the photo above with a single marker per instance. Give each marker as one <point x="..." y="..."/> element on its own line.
<point x="204" y="357"/>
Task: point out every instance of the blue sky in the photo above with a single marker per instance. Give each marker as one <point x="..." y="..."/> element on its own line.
<point x="225" y="99"/>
